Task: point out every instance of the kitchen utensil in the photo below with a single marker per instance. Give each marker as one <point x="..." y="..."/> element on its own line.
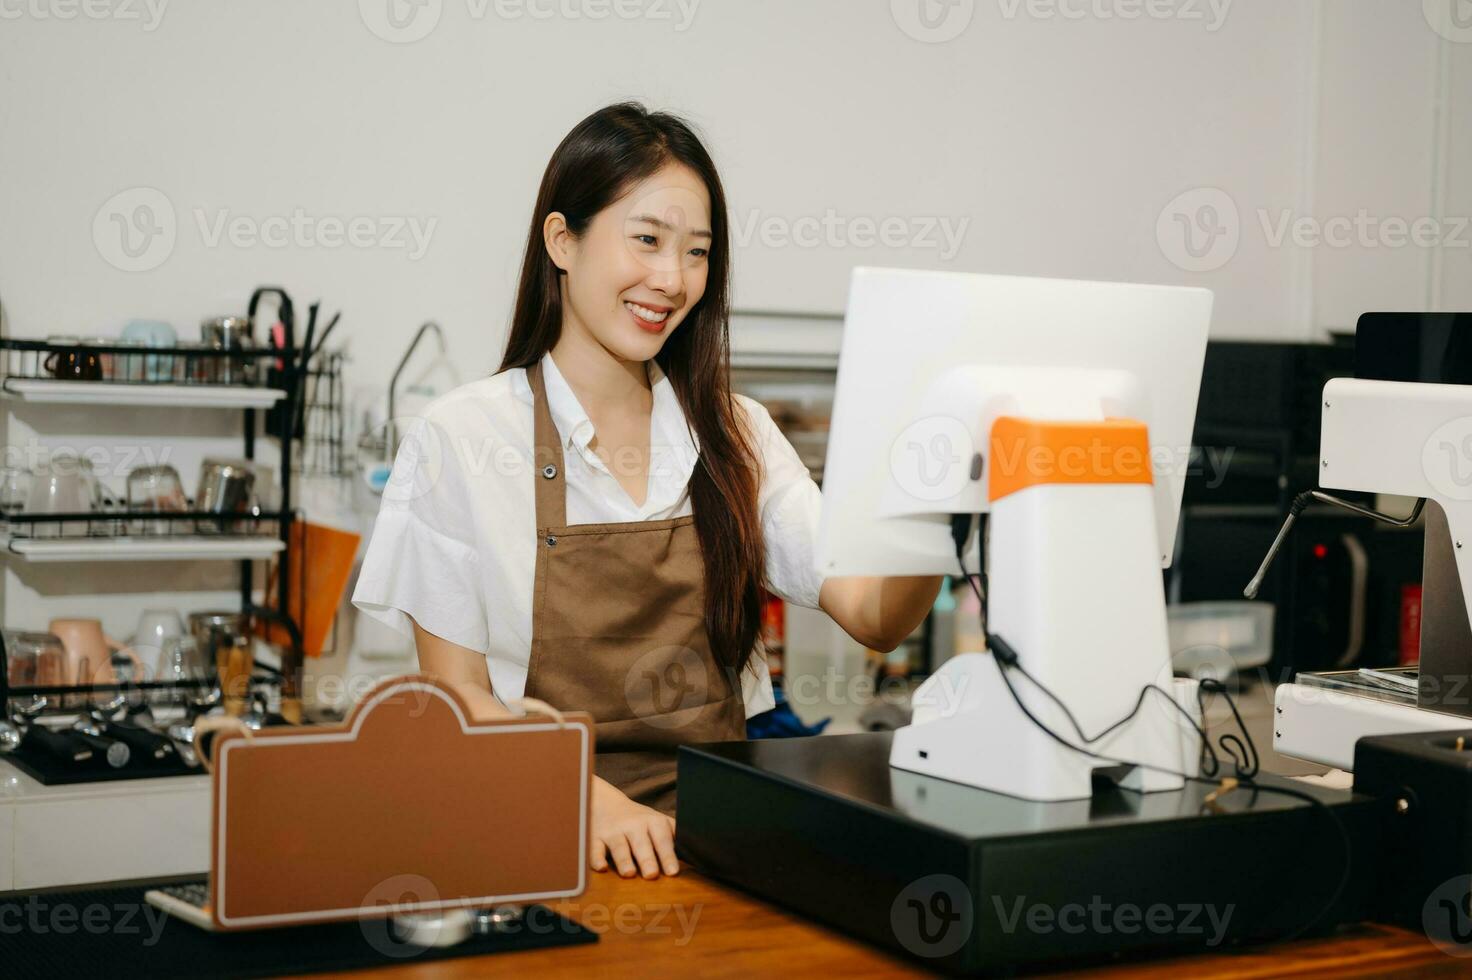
<point x="156" y="489"/>
<point x="322" y="340"/>
<point x="106" y="360"/>
<point x="302" y="377"/>
<point x="104" y="710"/>
<point x="255" y="718"/>
<point x="202" y="626"/>
<point x="225" y="487"/>
<point x="63" y="484"/>
<point x="63" y="745"/>
<point x="71" y="361"/>
<point x="234" y="661"/>
<point x="140" y="715"/>
<point x="89" y="651"/>
<point x="34" y="659"/>
<point x="20" y="665"/>
<point x="143" y="744"/>
<point x="128" y="667"/>
<point x="114" y="752"/>
<point x="13" y="723"/>
<point x="15" y="485"/>
<point x="182" y="733"/>
<point x="155" y="627"/>
<point x="179" y="659"/>
<point x="59" y="744"/>
<point x="226" y="332"/>
<point x="153" y="334"/>
<point x="265" y="497"/>
<point x="229" y="333"/>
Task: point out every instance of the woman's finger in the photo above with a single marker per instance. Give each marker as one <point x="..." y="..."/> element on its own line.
<point x="663" y="833"/>
<point x="597" y="858"/>
<point x="618" y="849"/>
<point x="643" y="846"/>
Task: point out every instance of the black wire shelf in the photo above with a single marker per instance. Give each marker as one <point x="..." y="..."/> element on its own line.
<point x="133" y="365"/>
<point x="104" y="525"/>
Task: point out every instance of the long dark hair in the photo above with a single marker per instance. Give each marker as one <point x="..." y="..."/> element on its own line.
<point x="596" y="163"/>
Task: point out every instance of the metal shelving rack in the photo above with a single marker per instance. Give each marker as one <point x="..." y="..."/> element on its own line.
<point x="186" y="378"/>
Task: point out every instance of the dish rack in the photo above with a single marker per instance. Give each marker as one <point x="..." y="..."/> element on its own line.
<point x="187" y="378"/>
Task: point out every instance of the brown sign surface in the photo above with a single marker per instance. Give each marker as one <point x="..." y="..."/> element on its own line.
<point x="409" y="805"/>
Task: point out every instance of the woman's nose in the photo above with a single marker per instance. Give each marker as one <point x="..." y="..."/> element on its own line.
<point x="667" y="276"/>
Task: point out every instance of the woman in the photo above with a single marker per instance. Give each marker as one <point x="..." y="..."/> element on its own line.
<point x="593" y="524"/>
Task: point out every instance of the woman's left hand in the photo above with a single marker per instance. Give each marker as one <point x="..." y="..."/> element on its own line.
<point x="631" y="837"/>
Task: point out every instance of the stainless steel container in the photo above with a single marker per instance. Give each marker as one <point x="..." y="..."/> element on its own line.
<point x="226" y="486"/>
<point x="228" y="333"/>
<point x="214" y="630"/>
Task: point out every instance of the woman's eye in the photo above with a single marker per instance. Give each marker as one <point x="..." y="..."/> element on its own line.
<point x="649" y="240"/>
<point x="699" y="253"/>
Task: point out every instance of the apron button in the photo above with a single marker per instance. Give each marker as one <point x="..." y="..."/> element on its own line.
<point x="549" y="471"/>
<point x="551" y="540"/>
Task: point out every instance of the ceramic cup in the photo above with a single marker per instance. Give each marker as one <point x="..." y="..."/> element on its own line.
<point x="71" y="361"/>
<point x="89" y="653"/>
<point x="156" y="627"/>
<point x="153" y="333"/>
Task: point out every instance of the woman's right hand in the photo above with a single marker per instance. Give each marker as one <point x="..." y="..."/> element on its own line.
<point x="629" y="836"/>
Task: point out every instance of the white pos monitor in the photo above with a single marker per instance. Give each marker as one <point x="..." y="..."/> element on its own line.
<point x="1063" y="410"/>
<point x="918" y="349"/>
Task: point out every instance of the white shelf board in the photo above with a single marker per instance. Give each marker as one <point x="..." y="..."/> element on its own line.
<point x="225" y="548"/>
<point x="104" y="393"/>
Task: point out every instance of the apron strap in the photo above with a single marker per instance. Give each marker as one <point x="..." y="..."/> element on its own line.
<point x="551" y="490"/>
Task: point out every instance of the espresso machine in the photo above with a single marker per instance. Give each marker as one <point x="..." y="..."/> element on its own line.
<point x="1402" y="427"/>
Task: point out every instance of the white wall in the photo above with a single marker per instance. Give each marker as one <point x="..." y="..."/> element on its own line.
<point x="1394" y="142"/>
<point x="1057" y="141"/>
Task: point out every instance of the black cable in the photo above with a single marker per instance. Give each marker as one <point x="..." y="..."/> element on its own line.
<point x="1003" y="653"/>
<point x="1246" y="766"/>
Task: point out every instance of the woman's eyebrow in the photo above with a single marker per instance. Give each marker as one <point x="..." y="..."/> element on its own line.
<point x="659" y="223"/>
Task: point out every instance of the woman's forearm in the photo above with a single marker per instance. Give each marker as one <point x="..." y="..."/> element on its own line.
<point x="462" y="669"/>
<point x="879" y="611"/>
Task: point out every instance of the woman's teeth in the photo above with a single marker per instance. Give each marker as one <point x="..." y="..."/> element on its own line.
<point x="645" y="313"/>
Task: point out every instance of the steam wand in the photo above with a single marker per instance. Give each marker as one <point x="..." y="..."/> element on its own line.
<point x="1299" y="503"/>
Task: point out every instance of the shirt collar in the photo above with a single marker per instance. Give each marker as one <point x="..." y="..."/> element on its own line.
<point x="573" y="424"/>
<point x="672" y="440"/>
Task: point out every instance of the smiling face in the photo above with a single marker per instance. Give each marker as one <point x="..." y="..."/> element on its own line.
<point x="639" y="267"/>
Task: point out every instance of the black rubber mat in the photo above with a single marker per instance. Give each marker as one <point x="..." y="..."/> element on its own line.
<point x="51" y="771"/>
<point x="114" y="933"/>
<point x="48" y="770"/>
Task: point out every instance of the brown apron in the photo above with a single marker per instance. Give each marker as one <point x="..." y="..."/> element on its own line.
<point x="618" y="631"/>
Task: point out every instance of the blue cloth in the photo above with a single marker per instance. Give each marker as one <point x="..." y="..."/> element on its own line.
<point x="781" y="722"/>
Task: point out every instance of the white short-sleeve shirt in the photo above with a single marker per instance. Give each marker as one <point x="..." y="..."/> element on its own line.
<point x="454" y="544"/>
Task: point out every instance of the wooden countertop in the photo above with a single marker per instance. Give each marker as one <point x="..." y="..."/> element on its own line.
<point x="690" y="925"/>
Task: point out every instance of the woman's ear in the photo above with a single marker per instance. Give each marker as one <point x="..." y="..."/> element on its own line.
<point x="560" y="241"/>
